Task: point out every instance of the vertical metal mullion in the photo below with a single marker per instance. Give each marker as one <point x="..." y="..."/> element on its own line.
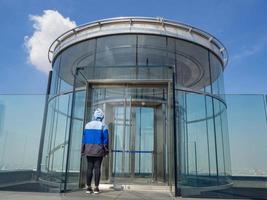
<point x="136" y="57"/>
<point x="215" y="140"/>
<point x="265" y="107"/>
<point x="177" y="190"/>
<point x="207" y="132"/>
<point x="140" y="140"/>
<point x="164" y="141"/>
<point x="186" y="132"/>
<point x="222" y="139"/>
<point x="168" y="135"/>
<point x="41" y="144"/>
<point x="51" y="130"/>
<point x="115" y="142"/>
<point x="214" y="126"/>
<point x="131" y="142"/>
<point x="84" y="123"/>
<point x="124" y="132"/>
<point x="94" y="62"/>
<point x="86" y="105"/>
<point x="55" y="133"/>
<point x="134" y="141"/>
<point x="70" y="130"/>
<point x="56" y="126"/>
<point x="196" y="167"/>
<point x="155" y="146"/>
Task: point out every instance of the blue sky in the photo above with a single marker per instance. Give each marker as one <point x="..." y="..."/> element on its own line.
<point x="239" y="24"/>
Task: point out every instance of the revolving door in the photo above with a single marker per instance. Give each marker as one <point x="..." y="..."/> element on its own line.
<point x="137" y="118"/>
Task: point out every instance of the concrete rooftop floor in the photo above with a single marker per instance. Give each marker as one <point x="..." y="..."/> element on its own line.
<point x="81" y="195"/>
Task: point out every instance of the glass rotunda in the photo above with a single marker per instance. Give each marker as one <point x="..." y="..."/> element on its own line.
<point x="160" y="84"/>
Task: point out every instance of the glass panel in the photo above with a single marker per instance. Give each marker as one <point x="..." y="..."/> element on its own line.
<point x="21" y="118"/>
<point x="216" y="76"/>
<point x="203" y="150"/>
<point x="152" y="50"/>
<point x="81" y="55"/>
<point x="75" y="138"/>
<point x="55" y="78"/>
<point x="219" y="139"/>
<point x="144" y="143"/>
<point x="248" y="135"/>
<point x="117" y="50"/>
<point x="197" y="133"/>
<point x="55" y="142"/>
<point x="192" y="66"/>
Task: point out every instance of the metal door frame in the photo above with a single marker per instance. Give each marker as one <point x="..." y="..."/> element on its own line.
<point x="167" y="83"/>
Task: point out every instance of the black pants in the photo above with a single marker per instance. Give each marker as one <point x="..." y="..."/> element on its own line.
<point x="93" y="163"/>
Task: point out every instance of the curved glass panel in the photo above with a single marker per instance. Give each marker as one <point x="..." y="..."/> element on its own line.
<point x="217" y="82"/>
<point x="192" y="66"/>
<point x="204" y="144"/>
<point x="55" y="141"/>
<point x="116" y="51"/>
<point x="55" y="77"/>
<point x="140" y="57"/>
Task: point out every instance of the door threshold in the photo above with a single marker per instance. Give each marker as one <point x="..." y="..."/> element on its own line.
<point x="134" y="187"/>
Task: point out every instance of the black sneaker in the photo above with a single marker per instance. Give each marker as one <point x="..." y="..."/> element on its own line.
<point x="89" y="190"/>
<point x="96" y="190"/>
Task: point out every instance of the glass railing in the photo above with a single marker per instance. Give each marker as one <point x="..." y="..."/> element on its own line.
<point x="248" y="134"/>
<point x="221" y="144"/>
<point x="21" y="118"/>
<point x="203" y="143"/>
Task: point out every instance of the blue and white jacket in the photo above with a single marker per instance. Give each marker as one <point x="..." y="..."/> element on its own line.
<point x="95" y="139"/>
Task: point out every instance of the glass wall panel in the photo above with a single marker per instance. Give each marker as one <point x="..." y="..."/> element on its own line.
<point x="118" y="57"/>
<point x="171" y="51"/>
<point x="55" y="142"/>
<point x="192" y="66"/>
<point x="227" y="155"/>
<point x="144" y="142"/>
<point x="217" y="81"/>
<point x="219" y="142"/>
<point x="117" y="50"/>
<point x="248" y="135"/>
<point x="74" y="156"/>
<point x="55" y="77"/>
<point x="203" y="153"/>
<point x="81" y="55"/>
<point x="118" y="164"/>
<point x="21" y="118"/>
<point x="152" y="50"/>
<point x="141" y="57"/>
<point x="196" y="127"/>
<point x="152" y="56"/>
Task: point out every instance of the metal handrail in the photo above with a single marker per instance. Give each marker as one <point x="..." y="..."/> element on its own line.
<point x="132" y="19"/>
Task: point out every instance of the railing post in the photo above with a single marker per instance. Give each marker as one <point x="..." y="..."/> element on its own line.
<point x="41" y="145"/>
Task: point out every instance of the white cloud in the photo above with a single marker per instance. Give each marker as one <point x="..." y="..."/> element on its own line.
<point x="47" y="28"/>
<point x="258" y="46"/>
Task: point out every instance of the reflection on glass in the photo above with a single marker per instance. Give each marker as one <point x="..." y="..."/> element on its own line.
<point x="124" y="148"/>
<point x="131" y="111"/>
<point x="204" y="147"/>
<point x="20" y="131"/>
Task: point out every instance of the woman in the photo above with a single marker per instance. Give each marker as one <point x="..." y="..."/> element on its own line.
<point x="95" y="147"/>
